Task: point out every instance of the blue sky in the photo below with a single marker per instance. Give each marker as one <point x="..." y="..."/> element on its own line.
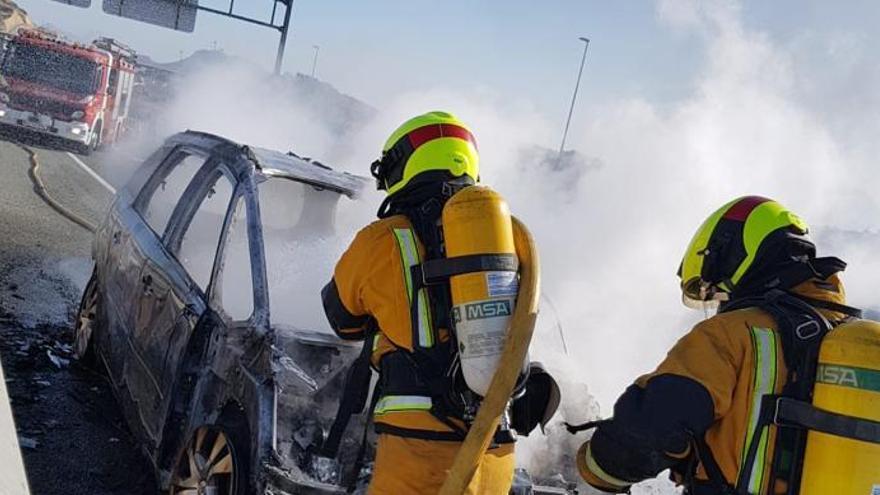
<point x="371" y="49"/>
<point x="524" y="51"/>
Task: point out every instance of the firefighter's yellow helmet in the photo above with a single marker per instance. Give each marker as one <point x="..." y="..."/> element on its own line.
<point x="734" y="241"/>
<point x="433" y="142"/>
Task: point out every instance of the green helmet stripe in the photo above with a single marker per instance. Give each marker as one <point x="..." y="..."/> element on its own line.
<point x="765" y="219"/>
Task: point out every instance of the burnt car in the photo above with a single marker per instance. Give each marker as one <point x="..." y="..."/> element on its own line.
<point x="227" y="387"/>
<point x="204" y="312"/>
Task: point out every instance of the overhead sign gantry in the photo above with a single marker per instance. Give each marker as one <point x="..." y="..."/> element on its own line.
<point x="77" y="3"/>
<point x="180" y="15"/>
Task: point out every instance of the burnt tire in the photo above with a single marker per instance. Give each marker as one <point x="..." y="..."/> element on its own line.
<point x="86" y="324"/>
<point x="214" y="460"/>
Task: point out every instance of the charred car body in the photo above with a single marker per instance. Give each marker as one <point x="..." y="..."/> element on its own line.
<point x="199" y="369"/>
<point x="204" y="311"/>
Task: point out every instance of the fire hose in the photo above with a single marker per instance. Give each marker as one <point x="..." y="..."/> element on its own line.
<point x="43" y="193"/>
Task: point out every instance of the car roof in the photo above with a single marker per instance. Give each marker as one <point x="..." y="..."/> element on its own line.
<point x="271" y="163"/>
<point x="276" y="164"/>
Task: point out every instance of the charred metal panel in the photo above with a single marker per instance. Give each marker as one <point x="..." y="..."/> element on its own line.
<point x="258" y="258"/>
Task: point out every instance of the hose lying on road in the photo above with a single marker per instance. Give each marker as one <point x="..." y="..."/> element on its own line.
<point x="43" y="193"/>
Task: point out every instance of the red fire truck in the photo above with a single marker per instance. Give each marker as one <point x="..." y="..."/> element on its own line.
<point x="80" y="93"/>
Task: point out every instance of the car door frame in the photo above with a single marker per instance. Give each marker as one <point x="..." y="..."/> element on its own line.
<point x="114" y="240"/>
<point x="157" y="253"/>
<point x="215" y="378"/>
<point x="216" y="329"/>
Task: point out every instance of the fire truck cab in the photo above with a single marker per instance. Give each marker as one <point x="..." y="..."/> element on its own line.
<point x="79" y="93"/>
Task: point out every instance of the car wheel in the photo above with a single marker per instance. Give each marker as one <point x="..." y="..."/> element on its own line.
<point x="215" y="461"/>
<point x="86" y="322"/>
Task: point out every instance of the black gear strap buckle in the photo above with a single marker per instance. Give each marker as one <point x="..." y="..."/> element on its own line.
<point x="589" y="425"/>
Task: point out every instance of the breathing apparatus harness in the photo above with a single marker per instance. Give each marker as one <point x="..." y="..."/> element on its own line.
<point x="433" y="371"/>
<point x="801" y="328"/>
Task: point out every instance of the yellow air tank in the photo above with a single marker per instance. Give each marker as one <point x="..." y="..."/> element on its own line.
<point x="476" y="221"/>
<point x="848" y="383"/>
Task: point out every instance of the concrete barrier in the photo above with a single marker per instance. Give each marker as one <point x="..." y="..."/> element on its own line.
<point x="13" y="480"/>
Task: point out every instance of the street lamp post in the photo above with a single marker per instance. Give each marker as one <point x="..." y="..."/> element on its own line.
<point x="315" y="60"/>
<point x="574" y="96"/>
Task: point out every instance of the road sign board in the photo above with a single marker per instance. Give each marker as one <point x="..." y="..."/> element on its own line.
<point x="77" y="3"/>
<point x="179" y="15"/>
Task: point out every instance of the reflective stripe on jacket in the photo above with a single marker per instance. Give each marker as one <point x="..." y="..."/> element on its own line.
<point x="373" y="280"/>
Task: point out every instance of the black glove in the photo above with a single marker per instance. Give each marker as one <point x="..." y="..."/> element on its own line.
<point x="538" y="402"/>
<point x="633" y="456"/>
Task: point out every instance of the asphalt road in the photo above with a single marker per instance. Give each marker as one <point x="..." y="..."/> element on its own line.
<point x="74" y="440"/>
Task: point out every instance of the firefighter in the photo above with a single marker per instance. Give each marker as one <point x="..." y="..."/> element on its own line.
<point x="709" y="411"/>
<point x="421" y="405"/>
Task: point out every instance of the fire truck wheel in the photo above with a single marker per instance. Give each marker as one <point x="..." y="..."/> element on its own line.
<point x="84" y="149"/>
<point x="95" y="144"/>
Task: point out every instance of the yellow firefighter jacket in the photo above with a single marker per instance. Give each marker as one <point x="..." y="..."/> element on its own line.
<point x="718" y="371"/>
<point x="373" y="281"/>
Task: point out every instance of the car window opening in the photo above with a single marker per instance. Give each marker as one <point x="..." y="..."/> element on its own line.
<point x="302" y="244"/>
<point x="234" y="284"/>
<point x="199" y="243"/>
<point x="160" y="203"/>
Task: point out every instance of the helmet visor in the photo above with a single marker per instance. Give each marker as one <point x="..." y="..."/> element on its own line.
<point x="710" y="305"/>
<point x="699" y="294"/>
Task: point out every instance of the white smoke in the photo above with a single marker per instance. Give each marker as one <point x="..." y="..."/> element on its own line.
<point x="752" y="125"/>
<point x="764" y="117"/>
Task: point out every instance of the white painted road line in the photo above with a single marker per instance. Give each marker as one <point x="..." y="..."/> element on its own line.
<point x="92" y="172"/>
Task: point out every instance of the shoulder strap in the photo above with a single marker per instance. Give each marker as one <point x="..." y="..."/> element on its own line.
<point x="435" y="363"/>
<point x="354" y="396"/>
<point x="713" y="470"/>
<point x="831" y="306"/>
<point x="425" y="220"/>
<point x="801" y="329"/>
